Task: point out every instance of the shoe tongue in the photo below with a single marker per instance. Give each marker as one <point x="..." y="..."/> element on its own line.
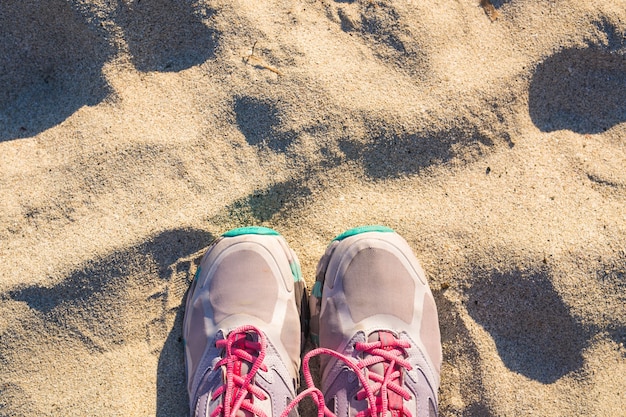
<point x="386" y="337"/>
<point x="376" y="337"/>
<point x="395" y="400"/>
<point x="243" y="367"/>
<point x="243" y="413"/>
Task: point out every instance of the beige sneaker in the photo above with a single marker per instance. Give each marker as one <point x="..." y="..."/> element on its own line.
<point x="371" y="304"/>
<point x="242" y="326"/>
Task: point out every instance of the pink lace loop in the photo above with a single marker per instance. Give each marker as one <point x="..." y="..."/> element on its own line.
<point x="316" y="395"/>
<point x="374" y="387"/>
<point x="238" y="391"/>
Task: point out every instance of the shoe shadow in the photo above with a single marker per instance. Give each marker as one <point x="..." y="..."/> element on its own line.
<point x="166" y="35"/>
<point x="130" y="297"/>
<point x="582" y="90"/>
<point x="533" y="330"/>
<point x="50" y="65"/>
<point x="461" y="354"/>
<point x="172" y="397"/>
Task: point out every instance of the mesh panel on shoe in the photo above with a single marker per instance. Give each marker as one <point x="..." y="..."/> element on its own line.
<point x="229" y="295"/>
<point x="429" y="331"/>
<point x="378" y="283"/>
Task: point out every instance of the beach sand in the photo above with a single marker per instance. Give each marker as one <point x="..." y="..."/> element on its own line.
<point x="132" y="133"/>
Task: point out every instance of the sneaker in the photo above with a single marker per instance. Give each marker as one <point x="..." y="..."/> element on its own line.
<point x="375" y="319"/>
<point x="242" y="327"/>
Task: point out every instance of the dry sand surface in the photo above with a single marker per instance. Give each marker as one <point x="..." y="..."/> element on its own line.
<point x="134" y="132"/>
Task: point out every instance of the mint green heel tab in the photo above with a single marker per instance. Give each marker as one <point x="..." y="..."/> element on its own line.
<point x="251" y="230"/>
<point x="295" y="271"/>
<point x="364" y="229"/>
<point x="317" y="289"/>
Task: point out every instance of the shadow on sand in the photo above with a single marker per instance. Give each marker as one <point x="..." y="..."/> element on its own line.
<point x="50" y="65"/>
<point x="529" y="323"/>
<point x="582" y="90"/>
<point x="52" y="53"/>
<point x="391" y="154"/>
<point x="166" y="35"/>
<point x="128" y="296"/>
<point x="259" y="121"/>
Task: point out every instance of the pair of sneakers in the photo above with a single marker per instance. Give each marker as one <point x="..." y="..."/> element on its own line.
<point x="372" y="315"/>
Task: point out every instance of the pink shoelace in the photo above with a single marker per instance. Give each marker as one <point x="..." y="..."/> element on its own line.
<point x="383" y="392"/>
<point x="239" y="391"/>
<point x="387" y="388"/>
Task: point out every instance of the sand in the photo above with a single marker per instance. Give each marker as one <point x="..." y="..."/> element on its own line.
<point x="132" y="133"/>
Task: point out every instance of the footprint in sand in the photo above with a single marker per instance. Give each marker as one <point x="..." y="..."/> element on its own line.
<point x="381" y="27"/>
